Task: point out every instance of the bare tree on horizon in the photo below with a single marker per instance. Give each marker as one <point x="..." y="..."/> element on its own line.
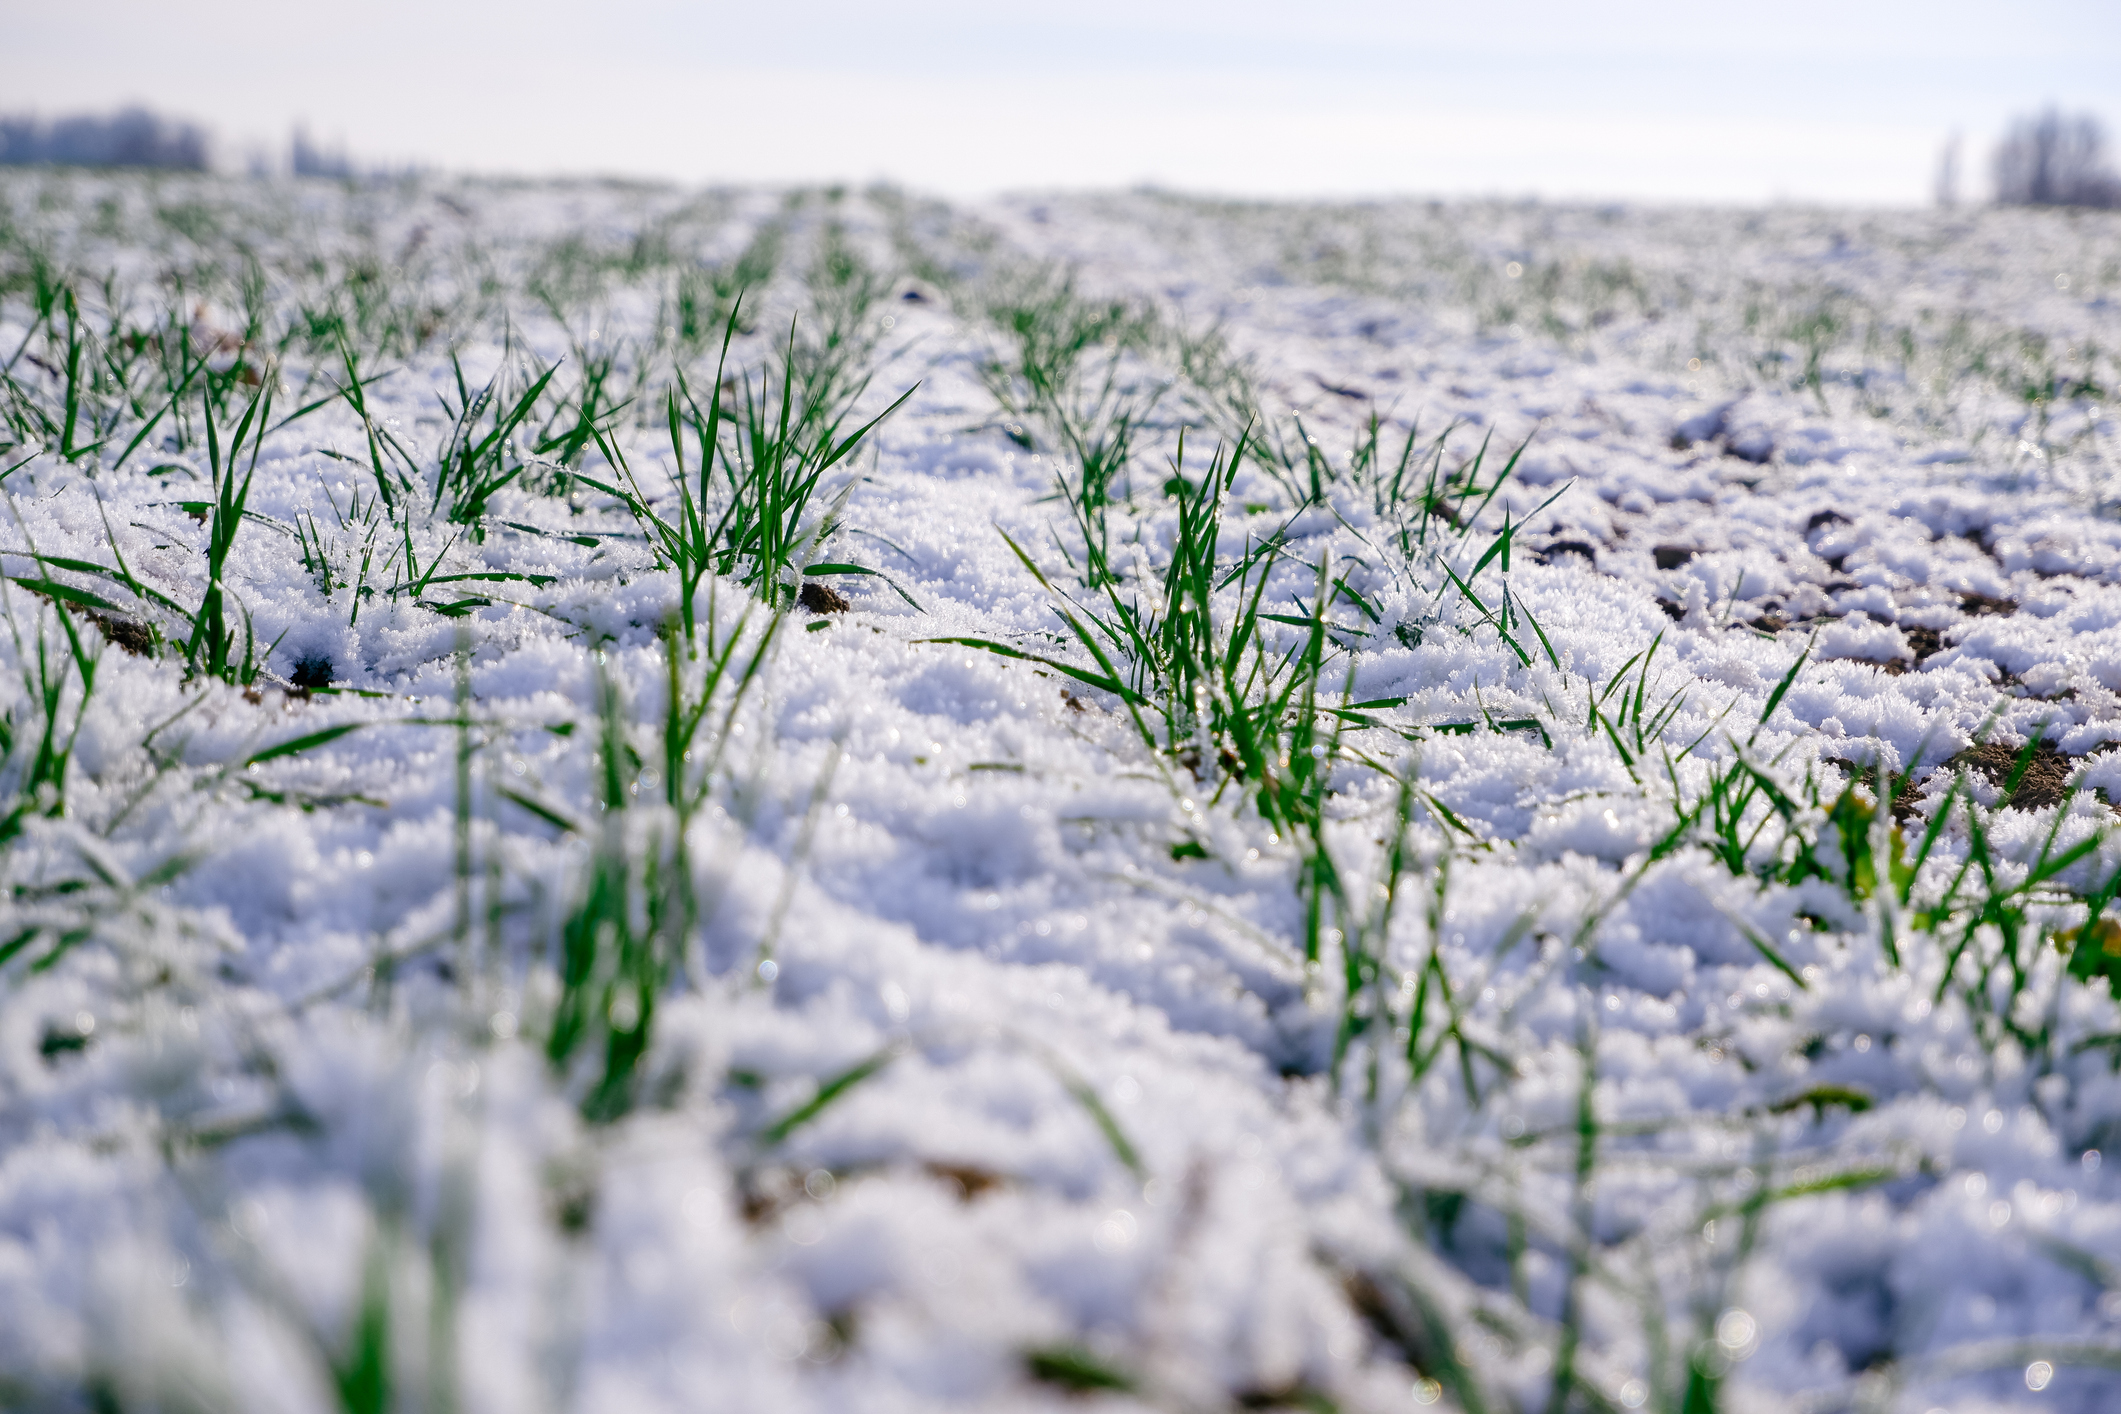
<point x="1947" y="184"/>
<point x="2056" y="160"/>
<point x="133" y="137"/>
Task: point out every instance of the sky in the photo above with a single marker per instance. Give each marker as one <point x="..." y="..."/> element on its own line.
<point x="1847" y="101"/>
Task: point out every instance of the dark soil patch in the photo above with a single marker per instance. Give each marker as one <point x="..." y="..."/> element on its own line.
<point x="1749" y="447"/>
<point x="312" y="671"/>
<point x="969" y="1180"/>
<point x="1906" y="794"/>
<point x="1559" y="548"/>
<point x="129" y="634"/>
<point x="2046" y="778"/>
<point x="1981" y="605"/>
<point x="1820" y="518"/>
<point x="1923" y="644"/>
<point x="1671" y="557"/>
<point x="820" y="600"/>
<point x="1293" y="1397"/>
<point x="1229" y="760"/>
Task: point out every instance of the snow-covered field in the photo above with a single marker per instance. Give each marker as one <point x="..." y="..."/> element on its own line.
<point x="1455" y="959"/>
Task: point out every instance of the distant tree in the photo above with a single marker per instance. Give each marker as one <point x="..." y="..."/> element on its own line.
<point x="2056" y="160"/>
<point x="1947" y="188"/>
<point x="133" y="137"/>
<point x="310" y="160"/>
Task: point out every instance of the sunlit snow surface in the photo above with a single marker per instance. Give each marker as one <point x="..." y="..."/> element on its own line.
<point x="290" y="1076"/>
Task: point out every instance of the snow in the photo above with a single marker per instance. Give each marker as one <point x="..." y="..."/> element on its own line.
<point x="301" y="1069"/>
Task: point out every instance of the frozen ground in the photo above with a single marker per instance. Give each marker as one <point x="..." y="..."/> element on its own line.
<point x="1584" y="1038"/>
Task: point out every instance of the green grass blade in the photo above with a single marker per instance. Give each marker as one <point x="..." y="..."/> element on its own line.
<point x="303" y="743"/>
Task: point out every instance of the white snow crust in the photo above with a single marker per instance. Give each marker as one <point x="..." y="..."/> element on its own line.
<point x="288" y="1075"/>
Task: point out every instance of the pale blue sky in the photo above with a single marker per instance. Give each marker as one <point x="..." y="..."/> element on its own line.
<point x="1835" y="100"/>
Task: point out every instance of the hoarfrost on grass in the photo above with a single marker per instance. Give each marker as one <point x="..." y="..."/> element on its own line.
<point x="1009" y="1044"/>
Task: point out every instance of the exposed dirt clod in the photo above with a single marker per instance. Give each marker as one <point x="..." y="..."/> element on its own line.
<point x="312" y="671"/>
<point x="129" y="634"/>
<point x="2046" y="779"/>
<point x="1560" y="548"/>
<point x="819" y="599"/>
